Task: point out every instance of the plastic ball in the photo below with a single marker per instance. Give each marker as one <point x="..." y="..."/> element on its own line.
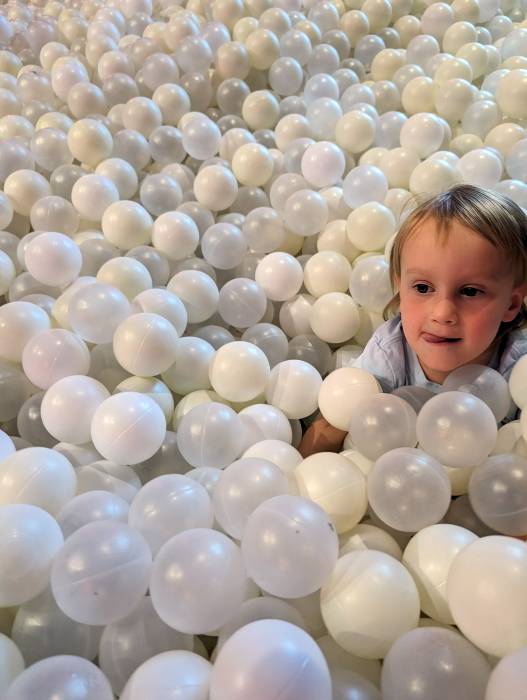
<point x="126" y="224"/>
<point x="411" y="660"/>
<point x="495" y="493"/>
<point x="429" y="556"/>
<point x="175" y="234"/>
<point x="144" y="344"/>
<point x="289" y="649"/>
<point x="115" y="570"/>
<point x="457" y="429"/>
<point x="168" y="505"/>
<point x="42" y="352"/>
<point x="497" y="567"/>
<point x="24" y="188"/>
<point x="370" y="284"/>
<point x="62" y="676"/>
<point x="68" y="407"/>
<point x="102" y="475"/>
<point x="92" y="194"/>
<point x="485" y="383"/>
<point x="242" y="302"/>
<point x="89" y="507"/>
<point x="53" y="259"/>
<point x="198" y="555"/>
<point x="363" y="184"/>
<point x="190" y="371"/>
<point x="280" y="275"/>
<point x="31" y="539"/>
<point x="289" y="546"/>
<point x="96" y="310"/>
<point x="111" y="423"/>
<point x="293" y="388"/>
<point x="182" y="672"/>
<point x="239" y="371"/>
<point x="507" y="677"/>
<point x="215" y="187"/>
<point x="197" y="291"/>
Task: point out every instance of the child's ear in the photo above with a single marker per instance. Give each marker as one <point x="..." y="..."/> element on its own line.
<point x="517" y="296"/>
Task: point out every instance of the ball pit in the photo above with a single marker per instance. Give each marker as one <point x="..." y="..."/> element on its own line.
<point x="198" y="203"/>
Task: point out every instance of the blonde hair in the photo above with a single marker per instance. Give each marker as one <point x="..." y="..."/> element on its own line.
<point x="495" y="217"/>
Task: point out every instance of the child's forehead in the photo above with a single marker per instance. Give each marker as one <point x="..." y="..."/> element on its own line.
<point x="451" y="246"/>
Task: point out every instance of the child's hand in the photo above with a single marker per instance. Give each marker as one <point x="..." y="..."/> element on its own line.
<point x="321" y="436"/>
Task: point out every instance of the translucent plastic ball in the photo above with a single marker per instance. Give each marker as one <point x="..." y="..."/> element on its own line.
<point x="210" y="435"/>
<point x="428" y="557"/>
<point x="96" y="310"/>
<point x="53" y="354"/>
<point x="280" y="275"/>
<point x="197" y="291"/>
<point x="54" y="214"/>
<point x="12" y="662"/>
<point x="336" y="485"/>
<point x="37" y="476"/>
<point x="517" y="382"/>
<point x="108" y="476"/>
<point x="176" y="235"/>
<point x="492" y="568"/>
<point x="508" y="676"/>
<point x="126" y="224"/>
<point x="432" y="177"/>
<point x="121" y="173"/>
<point x="113" y="562"/>
<point x="485" y="383"/>
<point x="365" y="536"/>
<point x="252" y="165"/>
<point x="92" y="194"/>
<point x="198" y="581"/>
<point x="363" y="184"/>
<point x="342" y="392"/>
<point x="240" y="669"/>
<point x="293" y="387"/>
<point x="289" y="546"/>
<point x="190" y="371"/>
<point x="270" y="339"/>
<point x="31" y="539"/>
<point x="408" y="489"/>
<point x="181" y="673"/>
<point x="496" y="493"/>
<point x="68" y="406"/>
<point x="370" y="226"/>
<point x="242" y="487"/>
<point x="223" y="246"/>
<point x="263" y="230"/>
<point x="457" y="429"/>
<point x="128" y="428"/>
<point x="370" y="284"/>
<point x="439" y="661"/>
<point x="53" y="259"/>
<point x="306" y="212"/>
<point x="168" y="505"/>
<point x="369" y="601"/>
<point x="323" y="164"/>
<point x="19" y="322"/>
<point x="242" y="302"/>
<point x="163" y="303"/>
<point x="381" y="423"/>
<point x="89" y="507"/>
<point x="7" y="272"/>
<point x="239" y="371"/>
<point x="67" y="677"/>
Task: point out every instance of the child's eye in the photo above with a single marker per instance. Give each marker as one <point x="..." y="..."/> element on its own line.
<point x="421" y="288"/>
<point x="471" y="291"/>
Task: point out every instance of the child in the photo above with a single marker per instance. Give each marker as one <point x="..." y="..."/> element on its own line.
<point x="459" y="263"/>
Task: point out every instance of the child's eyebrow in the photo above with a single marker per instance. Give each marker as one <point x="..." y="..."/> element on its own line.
<point x="496" y="276"/>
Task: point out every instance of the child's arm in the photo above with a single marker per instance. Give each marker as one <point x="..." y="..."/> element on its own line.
<point x="321" y="436"/>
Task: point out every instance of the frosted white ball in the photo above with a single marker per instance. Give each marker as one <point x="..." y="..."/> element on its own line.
<point x="300" y="669"/>
<point x="53" y="259"/>
<point x="334" y="317"/>
<point x="323" y="164"/>
<point x="215" y="187"/>
<point x="112" y="433"/>
<point x="180" y="672"/>
<point x="20" y="321"/>
<point x="280" y="275"/>
<point x="175" y="234"/>
<point x="481" y="167"/>
<point x="7" y="272"/>
<point x="252" y="165"/>
<point x="341" y="393"/>
<point x="54" y="354"/>
<point x="369" y="600"/>
<point x="38" y="476"/>
<point x="89" y="141"/>
<point x="239" y="371"/>
<point x="24" y="188"/>
<point x="145" y="344"/>
<point x="68" y="406"/>
<point x="126" y="224"/>
<point x="293" y="387"/>
<point x="197" y="291"/>
<point x="121" y="173"/>
<point x="95" y="310"/>
<point x="91" y="195"/>
<point x="164" y="303"/>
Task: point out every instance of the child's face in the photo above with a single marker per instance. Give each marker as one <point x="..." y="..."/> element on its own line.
<point x="460" y="289"/>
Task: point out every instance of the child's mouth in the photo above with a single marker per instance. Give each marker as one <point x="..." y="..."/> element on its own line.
<point x="439" y="340"/>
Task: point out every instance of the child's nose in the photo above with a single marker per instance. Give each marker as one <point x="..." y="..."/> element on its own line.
<point x="444" y="311"/>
